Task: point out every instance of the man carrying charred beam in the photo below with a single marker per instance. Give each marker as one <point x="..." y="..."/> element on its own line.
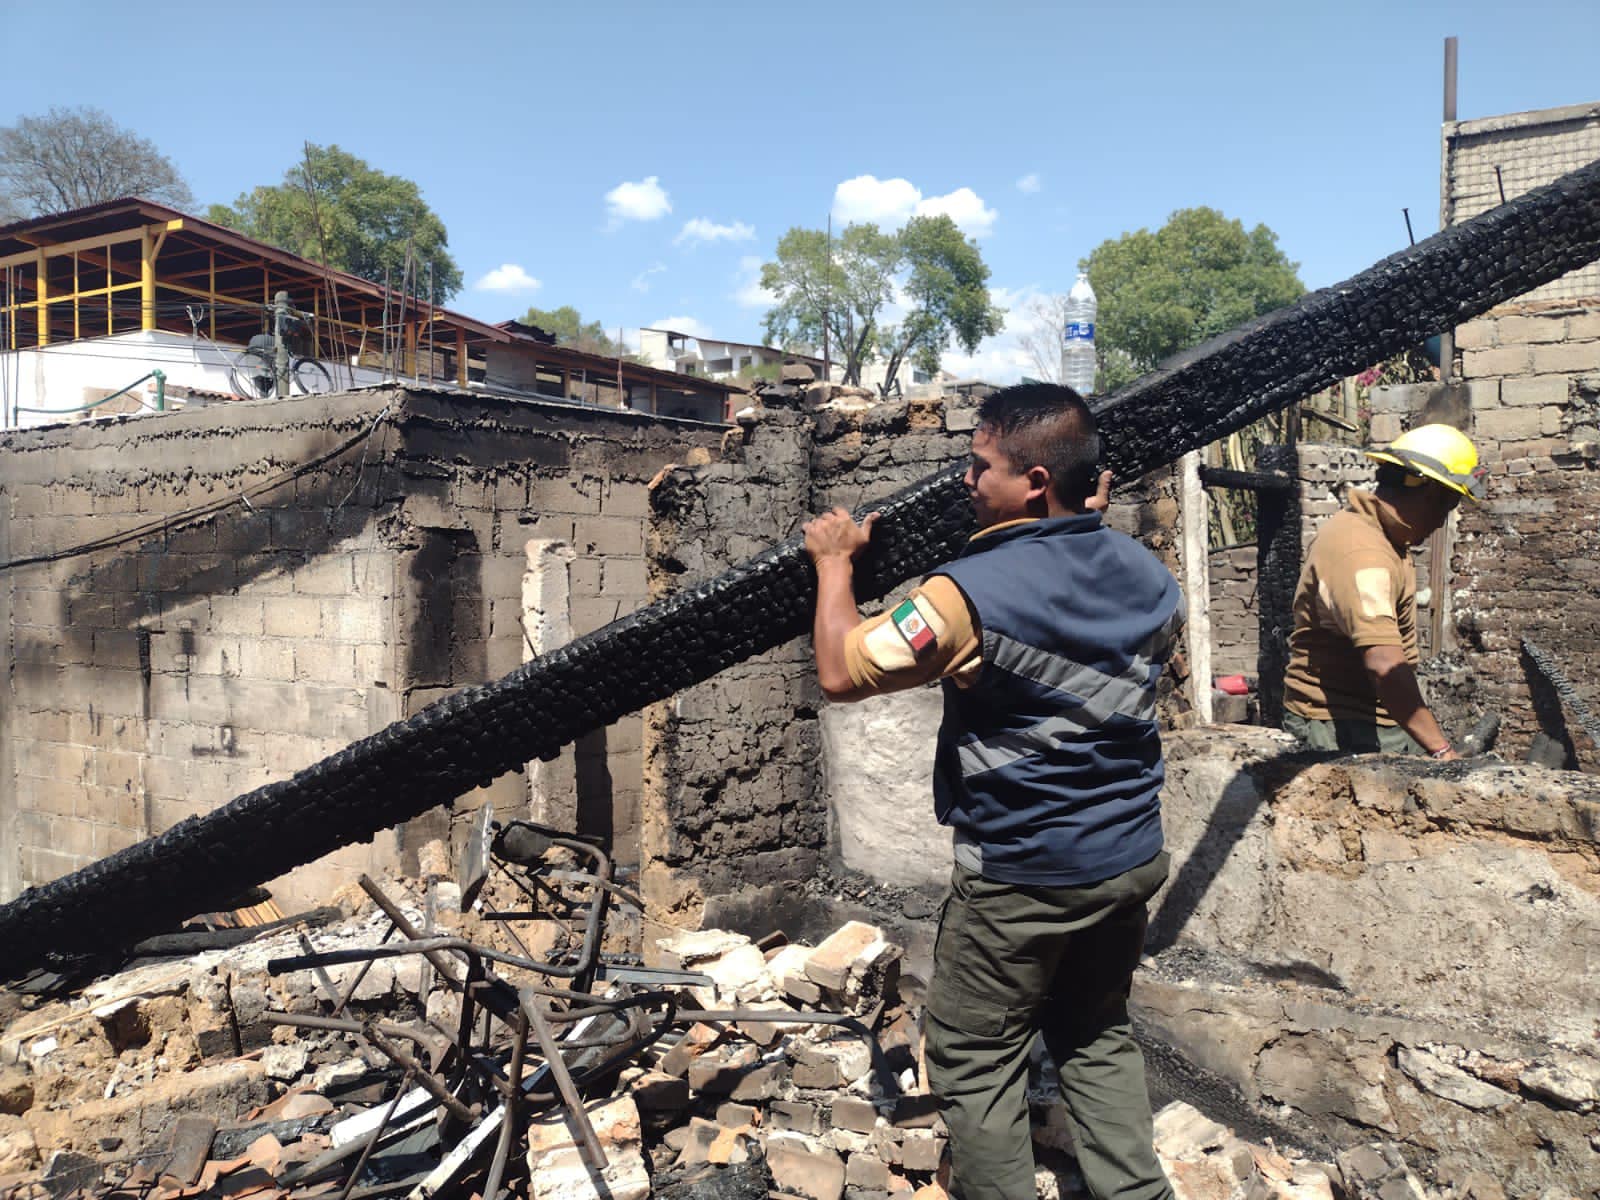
<point x="1351" y="683"/>
<point x="1049" y="633"/>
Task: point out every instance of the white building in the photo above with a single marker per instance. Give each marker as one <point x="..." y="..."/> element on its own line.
<point x="718" y="358"/>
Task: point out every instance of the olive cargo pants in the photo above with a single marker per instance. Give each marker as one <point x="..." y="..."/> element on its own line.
<point x="1350" y="737"/>
<point x="1011" y="961"/>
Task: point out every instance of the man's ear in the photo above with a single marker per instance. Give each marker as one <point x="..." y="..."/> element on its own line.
<point x="1038" y="482"/>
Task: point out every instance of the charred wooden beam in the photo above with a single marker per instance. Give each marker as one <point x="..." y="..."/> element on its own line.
<point x="1250" y="481"/>
<point x="479" y="733"/>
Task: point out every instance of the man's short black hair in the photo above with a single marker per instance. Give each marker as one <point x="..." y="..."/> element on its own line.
<point x="1047" y="425"/>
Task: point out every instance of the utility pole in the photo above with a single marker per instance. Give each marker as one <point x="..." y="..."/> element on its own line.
<point x="280" y="344"/>
<point x="827" y="303"/>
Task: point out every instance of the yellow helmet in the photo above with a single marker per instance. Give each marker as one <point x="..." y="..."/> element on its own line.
<point x="1441" y="453"/>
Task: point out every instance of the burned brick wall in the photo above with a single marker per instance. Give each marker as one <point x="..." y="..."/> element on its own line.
<point x="731" y="802"/>
<point x="1528" y="558"/>
<point x="1235" y="616"/>
<point x="752" y="779"/>
<point x="202" y="602"/>
<point x="1525" y="562"/>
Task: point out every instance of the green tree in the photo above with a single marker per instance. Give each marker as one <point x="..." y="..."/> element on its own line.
<point x="363" y="219"/>
<point x="572" y="330"/>
<point x="73" y="157"/>
<point x="849" y="285"/>
<point x="1199" y="275"/>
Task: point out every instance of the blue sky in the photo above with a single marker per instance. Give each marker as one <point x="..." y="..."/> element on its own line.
<point x="638" y="160"/>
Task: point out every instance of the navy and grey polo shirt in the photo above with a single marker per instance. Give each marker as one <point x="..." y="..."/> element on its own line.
<point x="1049" y="762"/>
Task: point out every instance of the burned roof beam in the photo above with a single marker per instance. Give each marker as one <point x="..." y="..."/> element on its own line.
<point x="479" y="733"/>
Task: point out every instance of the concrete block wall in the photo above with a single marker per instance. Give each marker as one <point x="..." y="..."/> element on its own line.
<point x="1525" y="560"/>
<point x="1235" y="616"/>
<point x="176" y="667"/>
<point x="731" y="807"/>
<point x="1529" y="149"/>
<point x="199" y="654"/>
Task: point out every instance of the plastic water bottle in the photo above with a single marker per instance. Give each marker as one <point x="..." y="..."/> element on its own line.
<point x="1077" y="338"/>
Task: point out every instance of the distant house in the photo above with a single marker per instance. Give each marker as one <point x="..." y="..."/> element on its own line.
<point x="713" y="358"/>
<point x="130" y="294"/>
<point x="718" y="358"/>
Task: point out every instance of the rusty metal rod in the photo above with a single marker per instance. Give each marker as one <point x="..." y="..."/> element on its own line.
<point x="372" y="1141"/>
<point x="588" y="1143"/>
<point x="425" y="1079"/>
<point x="350" y="990"/>
<point x="344" y="1025"/>
<point x="391" y="910"/>
<point x="511" y="1119"/>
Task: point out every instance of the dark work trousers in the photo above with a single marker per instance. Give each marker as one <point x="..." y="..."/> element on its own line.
<point x="1012" y="961"/>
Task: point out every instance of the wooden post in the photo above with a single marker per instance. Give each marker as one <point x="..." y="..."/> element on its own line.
<point x="42" y="298"/>
<point x="1196" y="582"/>
<point x="461" y="357"/>
<point x="147" y="282"/>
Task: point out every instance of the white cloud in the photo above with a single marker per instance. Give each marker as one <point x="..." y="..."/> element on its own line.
<point x="1029" y="183"/>
<point x="507" y="277"/>
<point x="868" y="198"/>
<point x="750" y="293"/>
<point x="699" y="229"/>
<point x="963" y="206"/>
<point x="692" y="326"/>
<point x="646" y="200"/>
<point x="641" y="281"/>
<point x="892" y="202"/>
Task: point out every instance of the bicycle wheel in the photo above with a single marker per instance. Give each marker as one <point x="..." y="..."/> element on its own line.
<point x="311" y="377"/>
<point x="251" y="375"/>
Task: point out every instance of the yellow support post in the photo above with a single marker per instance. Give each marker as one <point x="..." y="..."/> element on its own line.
<point x="147" y="283"/>
<point x="211" y="289"/>
<point x="76" y="288"/>
<point x="42" y="300"/>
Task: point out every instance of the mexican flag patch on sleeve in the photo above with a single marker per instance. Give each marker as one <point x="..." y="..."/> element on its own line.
<point x="913" y="628"/>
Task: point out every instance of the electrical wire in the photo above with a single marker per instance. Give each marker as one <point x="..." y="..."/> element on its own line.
<point x="201" y="512"/>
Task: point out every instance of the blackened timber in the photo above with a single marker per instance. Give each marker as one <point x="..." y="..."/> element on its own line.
<point x="1250" y="481"/>
<point x="1278" y="554"/>
<point x="469" y="738"/>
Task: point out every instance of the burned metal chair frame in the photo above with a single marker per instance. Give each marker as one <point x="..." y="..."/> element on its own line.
<point x="474" y="1054"/>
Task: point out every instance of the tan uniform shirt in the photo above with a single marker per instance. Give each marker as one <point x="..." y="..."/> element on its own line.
<point x="1357" y="589"/>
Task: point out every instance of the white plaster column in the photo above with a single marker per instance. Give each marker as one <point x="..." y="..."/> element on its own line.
<point x="1195" y="516"/>
<point x="547" y="625"/>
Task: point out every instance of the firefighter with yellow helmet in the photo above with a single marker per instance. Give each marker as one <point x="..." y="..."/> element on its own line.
<point x="1351" y="684"/>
